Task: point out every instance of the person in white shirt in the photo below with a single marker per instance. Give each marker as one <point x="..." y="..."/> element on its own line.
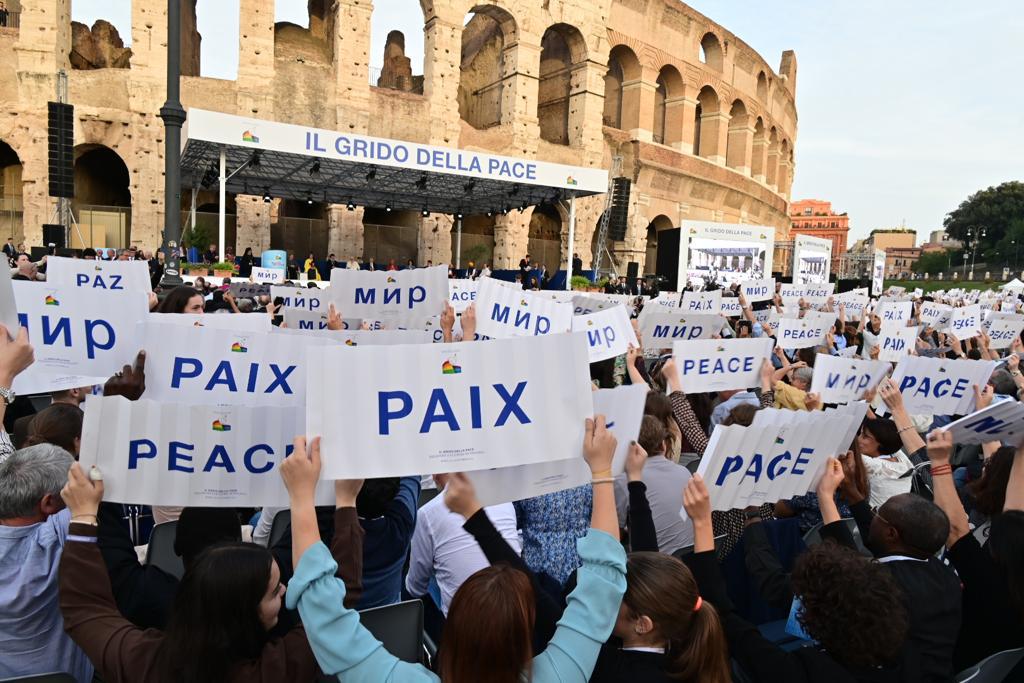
<point x="485" y="271"/>
<point x="352" y="264"/>
<point x="443" y="549"/>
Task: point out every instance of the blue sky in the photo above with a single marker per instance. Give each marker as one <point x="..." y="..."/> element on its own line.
<point x="905" y="107"/>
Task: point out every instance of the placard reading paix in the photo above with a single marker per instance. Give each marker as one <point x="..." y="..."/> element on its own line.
<point x="394" y="411"/>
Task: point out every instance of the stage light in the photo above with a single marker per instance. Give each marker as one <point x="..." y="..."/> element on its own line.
<point x="421" y="184"/>
<point x="351" y="205"/>
<point x="309" y="198"/>
<point x="489" y="213"/>
<point x="425" y="212"/>
<point x="315" y="168"/>
<point x="371" y="175"/>
<point x="504" y="210"/>
<point x="266" y="195"/>
<point x="387" y="207"/>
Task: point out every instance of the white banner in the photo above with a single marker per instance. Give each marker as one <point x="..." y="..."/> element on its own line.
<point x="895" y="341"/>
<point x="812" y="259"/>
<point x="878" y="273"/>
<point x="935" y="315"/>
<point x="609" y="333"/>
<point x="665" y="300"/>
<point x="156" y="453"/>
<point x="781" y="455"/>
<point x="657" y="330"/>
<point x="758" y="290"/>
<point x="448" y="407"/>
<point x="721" y="364"/>
<point x="591" y="303"/>
<point x="940" y="386"/>
<point x="1001" y="421"/>
<point x="250" y="322"/>
<point x="801" y="333"/>
<point x="300" y="319"/>
<point x="76" y="333"/>
<point x="841" y="380"/>
<point x="416" y="293"/>
<point x="209" y="366"/>
<point x="623" y="408"/>
<point x="503" y="312"/>
<point x="894" y="311"/>
<point x="815" y="293"/>
<point x="461" y="293"/>
<point x="709" y="303"/>
<point x="853" y="303"/>
<point x="965" y="323"/>
<point x="271" y="275"/>
<point x="302" y="298"/>
<point x="112" y="276"/>
<point x="1003" y="331"/>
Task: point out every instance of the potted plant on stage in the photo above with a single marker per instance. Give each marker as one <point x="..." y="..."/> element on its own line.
<point x="223" y="269"/>
<point x="580" y="283"/>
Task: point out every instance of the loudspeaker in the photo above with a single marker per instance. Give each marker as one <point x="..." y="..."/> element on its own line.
<point x="632" y="271"/>
<point x="61" y="143"/>
<point x="619" y="212"/>
<point x="53" y="234"/>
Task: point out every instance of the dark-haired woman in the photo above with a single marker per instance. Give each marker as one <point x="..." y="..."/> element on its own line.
<point x="487" y="635"/>
<point x="182" y="299"/>
<point x="59" y="424"/>
<point x="225" y="606"/>
<point x="245" y="263"/>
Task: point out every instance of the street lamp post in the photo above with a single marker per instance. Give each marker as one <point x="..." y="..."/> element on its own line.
<point x="974" y="235"/>
<point x="174" y="116"/>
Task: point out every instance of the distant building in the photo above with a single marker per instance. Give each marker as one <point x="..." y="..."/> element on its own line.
<point x="938" y="240"/>
<point x="900" y="252"/>
<point x="815" y="217"/>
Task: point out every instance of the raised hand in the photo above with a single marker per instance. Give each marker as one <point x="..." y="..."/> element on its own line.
<point x="460" y="496"/>
<point x="82" y="494"/>
<point x="15" y="355"/>
<point x="983" y="397"/>
<point x="599" y="447"/>
<point x="334" y="319"/>
<point x="697" y="501"/>
<point x="301" y="471"/>
<point x="448" y="321"/>
<point x="346" y="491"/>
<point x="812" y="401"/>
<point x="940" y="447"/>
<point x="891" y="395"/>
<point x="130" y="382"/>
<point x="469" y="323"/>
<point x="636" y="457"/>
<point x="831" y="478"/>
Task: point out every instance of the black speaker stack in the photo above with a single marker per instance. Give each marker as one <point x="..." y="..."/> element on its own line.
<point x="619" y="215"/>
<point x="60" y="133"/>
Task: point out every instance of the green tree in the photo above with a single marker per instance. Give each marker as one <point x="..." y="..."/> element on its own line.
<point x="936" y="262"/>
<point x="999" y="209"/>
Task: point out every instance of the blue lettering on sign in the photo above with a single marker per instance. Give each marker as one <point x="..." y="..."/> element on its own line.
<point x="393" y="295"/>
<point x="180" y="456"/>
<point x="677" y="331"/>
<point x="393" y="406"/>
<point x="301" y="302"/>
<point x="718" y="366"/>
<point x="601" y="336"/>
<point x="463" y="296"/>
<point x="856" y="382"/>
<point x="893" y="343"/>
<point x="756" y="291"/>
<point x="224" y="375"/>
<point x="85" y="280"/>
<point x="999" y="335"/>
<point x="99" y="335"/>
<point x="700" y="305"/>
<point x="963" y="323"/>
<point x="314" y="325"/>
<point x="755" y="468"/>
<point x="926" y="387"/>
<point x="987" y="425"/>
<point x="811" y="333"/>
<point x="540" y="324"/>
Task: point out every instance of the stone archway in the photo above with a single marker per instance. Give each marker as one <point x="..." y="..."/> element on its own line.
<point x="11" y="198"/>
<point x="103" y="200"/>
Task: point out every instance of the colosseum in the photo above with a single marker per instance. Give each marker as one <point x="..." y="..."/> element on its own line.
<point x="699" y="122"/>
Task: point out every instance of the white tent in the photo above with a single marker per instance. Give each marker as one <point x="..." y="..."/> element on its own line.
<point x="1013" y="286"/>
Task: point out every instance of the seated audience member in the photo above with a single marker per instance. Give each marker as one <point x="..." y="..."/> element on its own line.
<point x="73" y="397"/>
<point x="552" y="525"/>
<point x="225" y="606"/>
<point x="144" y="593"/>
<point x="794" y="396"/>
<point x="59" y="424"/>
<point x="182" y="299"/>
<point x="992" y="575"/>
<point x="387" y="513"/>
<point x="487" y="635"/>
<point x="729" y="400"/>
<point x="851" y="606"/>
<point x="442" y="549"/>
<point x="664" y="480"/>
<point x="33" y="531"/>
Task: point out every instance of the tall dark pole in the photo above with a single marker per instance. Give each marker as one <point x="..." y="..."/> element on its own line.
<point x="174" y="116"/>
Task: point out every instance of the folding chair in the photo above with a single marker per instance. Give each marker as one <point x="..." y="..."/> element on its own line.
<point x="993" y="669"/>
<point x="161" y="549"/>
<point x="281" y="524"/>
<point x="399" y="627"/>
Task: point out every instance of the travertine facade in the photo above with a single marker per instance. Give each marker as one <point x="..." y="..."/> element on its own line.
<point x="704" y="126"/>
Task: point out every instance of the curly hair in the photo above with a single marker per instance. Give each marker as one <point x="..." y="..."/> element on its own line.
<point x="851" y="605"/>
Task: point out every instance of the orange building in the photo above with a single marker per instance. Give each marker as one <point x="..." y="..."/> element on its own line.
<point x="815" y="217"/>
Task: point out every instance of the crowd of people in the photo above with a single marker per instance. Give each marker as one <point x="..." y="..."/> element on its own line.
<point x="914" y="570"/>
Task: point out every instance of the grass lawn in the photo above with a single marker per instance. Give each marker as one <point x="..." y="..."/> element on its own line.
<point x="932" y="284"/>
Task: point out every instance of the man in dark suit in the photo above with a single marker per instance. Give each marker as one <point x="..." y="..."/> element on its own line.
<point x="577" y="264"/>
<point x="9" y="250"/>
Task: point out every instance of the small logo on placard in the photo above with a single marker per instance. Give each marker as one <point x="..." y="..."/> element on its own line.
<point x="450" y="368"/>
<point x="391" y="280"/>
<point x="349" y="342"/>
<point x="238" y="348"/>
<point x="571" y="181"/>
<point x="50" y="301"/>
<point x="248" y="136"/>
<point x="219" y="426"/>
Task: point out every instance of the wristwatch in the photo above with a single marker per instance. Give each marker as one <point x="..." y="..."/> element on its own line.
<point x="7" y="395"/>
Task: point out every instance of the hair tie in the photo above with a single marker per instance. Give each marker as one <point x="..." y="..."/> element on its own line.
<point x="700" y="601"/>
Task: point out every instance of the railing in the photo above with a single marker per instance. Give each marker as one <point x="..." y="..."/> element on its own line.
<point x="10" y="19"/>
<point x="101" y="226"/>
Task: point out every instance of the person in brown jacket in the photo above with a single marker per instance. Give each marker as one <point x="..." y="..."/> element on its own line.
<point x="226" y="603"/>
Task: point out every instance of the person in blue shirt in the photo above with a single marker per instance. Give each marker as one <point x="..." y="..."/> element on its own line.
<point x="500" y="597"/>
<point x="387" y="513"/>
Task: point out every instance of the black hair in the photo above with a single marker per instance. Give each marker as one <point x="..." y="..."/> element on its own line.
<point x="215" y="621"/>
<point x="202" y="527"/>
<point x="1006" y="545"/>
<point x="177" y="299"/>
<point x="922" y="525"/>
<point x="375" y="496"/>
<point x="989" y="492"/>
<point x="885" y="432"/>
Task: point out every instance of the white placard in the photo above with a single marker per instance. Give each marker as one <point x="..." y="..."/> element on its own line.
<point x="895" y="342"/>
<point x="110" y="276"/>
<point x="721" y="364"/>
<point x="448" y="407"/>
<point x="157" y="453"/>
<point x="461" y="293"/>
<point x="965" y="322"/>
<point x="731" y="307"/>
<point x="664" y="300"/>
<point x="503" y="312"/>
<point x="252" y="322"/>
<point x="658" y="330"/>
<point x="8" y="307"/>
<point x="591" y="303"/>
<point x="724" y="252"/>
<point x="841" y="380"/>
<point x="1003" y="331"/>
<point x="940" y="386"/>
<point x="878" y="273"/>
<point x="812" y="259"/>
<point x="819" y="293"/>
<point x="802" y="333"/>
<point x="302" y="298"/>
<point x="623" y="408"/>
<point x="758" y="290"/>
<point x="208" y="366"/>
<point x="1001" y="421"/>
<point x="709" y="303"/>
<point x="301" y="319"/>
<point x="935" y="315"/>
<point x="894" y="311"/>
<point x="781" y="455"/>
<point x="76" y="333"/>
<point x="271" y="275"/>
<point x="415" y="293"/>
<point x="609" y="333"/>
<point x="853" y="303"/>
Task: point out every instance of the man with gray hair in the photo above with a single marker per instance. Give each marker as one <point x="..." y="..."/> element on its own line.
<point x="33" y="529"/>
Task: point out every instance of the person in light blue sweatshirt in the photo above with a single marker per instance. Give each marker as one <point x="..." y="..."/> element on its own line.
<point x="488" y="632"/>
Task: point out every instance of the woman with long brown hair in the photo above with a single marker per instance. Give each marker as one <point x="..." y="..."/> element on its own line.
<point x="665" y="631"/>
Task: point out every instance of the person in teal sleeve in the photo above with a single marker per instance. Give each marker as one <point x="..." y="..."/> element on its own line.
<point x="498" y="597"/>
